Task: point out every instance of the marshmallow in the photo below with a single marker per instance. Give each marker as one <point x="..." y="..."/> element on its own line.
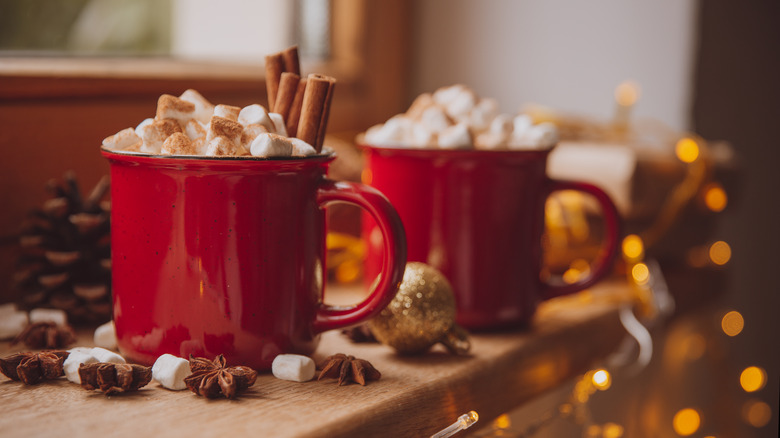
<point x="105" y="336"/>
<point x="443" y="96"/>
<point x="172" y="107"/>
<point x="122" y="139"/>
<point x="155" y="133"/>
<point x="541" y="136"/>
<point x="436" y="119"/>
<point x="502" y="126"/>
<point x="194" y="130"/>
<point x="279" y="126"/>
<point x="392" y="133"/>
<point x="56" y="316"/>
<point x="293" y="367"/>
<point x="271" y="145"/>
<point x="420" y="104"/>
<point x="203" y="108"/>
<point x="421" y="136"/>
<point x="170" y="371"/>
<point x="178" y="144"/>
<point x="103" y="355"/>
<point x="521" y="124"/>
<point x="227" y="111"/>
<point x="460" y="107"/>
<point x="12" y="321"/>
<point x="77" y="357"/>
<point x="255" y="115"/>
<point x="224" y="127"/>
<point x="489" y="141"/>
<point x="250" y="133"/>
<point x="482" y="114"/>
<point x="139" y="130"/>
<point x="455" y="137"/>
<point x="221" y="146"/>
<point x="301" y="148"/>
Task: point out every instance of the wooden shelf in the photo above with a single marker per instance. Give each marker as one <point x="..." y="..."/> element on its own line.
<point x="416" y="396"/>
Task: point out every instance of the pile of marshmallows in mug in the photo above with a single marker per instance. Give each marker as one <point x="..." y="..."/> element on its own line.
<point x="191" y="125"/>
<point x="456" y="118"/>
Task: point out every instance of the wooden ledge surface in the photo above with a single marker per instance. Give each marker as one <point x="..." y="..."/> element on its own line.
<point x="416" y="396"/>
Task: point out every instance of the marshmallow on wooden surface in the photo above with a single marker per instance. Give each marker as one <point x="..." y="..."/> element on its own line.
<point x="76" y="357"/>
<point x="221" y="147"/>
<point x="455" y="137"/>
<point x="222" y="127"/>
<point x="203" y="108"/>
<point x="170" y="371"/>
<point x="178" y="144"/>
<point x="155" y="133"/>
<point x="227" y="111"/>
<point x="103" y="355"/>
<point x="122" y="139"/>
<point x="105" y="336"/>
<point x="293" y="367"/>
<point x="279" y="126"/>
<point x="172" y="107"/>
<point x="303" y="149"/>
<point x="255" y="115"/>
<point x="12" y="321"/>
<point x="56" y="316"/>
<point x="271" y="145"/>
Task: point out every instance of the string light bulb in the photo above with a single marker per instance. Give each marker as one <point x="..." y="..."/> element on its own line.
<point x="633" y="247"/>
<point x="715" y="197"/>
<point x="602" y="380"/>
<point x="687" y="150"/>
<point x="752" y="379"/>
<point x="464" y="422"/>
<point x="732" y="323"/>
<point x="640" y="273"/>
<point x="686" y="421"/>
<point x="756" y="413"/>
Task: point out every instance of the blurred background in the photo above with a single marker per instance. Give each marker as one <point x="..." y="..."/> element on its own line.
<point x="73" y="72"/>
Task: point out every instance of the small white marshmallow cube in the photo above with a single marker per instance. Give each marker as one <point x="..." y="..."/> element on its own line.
<point x="12" y="321"/>
<point x="279" y="126"/>
<point x="301" y="148"/>
<point x="56" y="316"/>
<point x="77" y="357"/>
<point x="271" y="145"/>
<point x="255" y="115"/>
<point x="103" y="355"/>
<point x="105" y="336"/>
<point x="122" y="139"/>
<point x="170" y="371"/>
<point x="203" y="108"/>
<point x="227" y="111"/>
<point x="293" y="367"/>
<point x="455" y="137"/>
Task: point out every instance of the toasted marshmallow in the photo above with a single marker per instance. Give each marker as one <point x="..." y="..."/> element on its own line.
<point x="435" y="119"/>
<point x="103" y="355"/>
<point x="170" y="371"/>
<point x="178" y="144"/>
<point x="256" y="115"/>
<point x="455" y="137"/>
<point x="122" y="139"/>
<point x="271" y="145"/>
<point x="172" y="107"/>
<point x="56" y="316"/>
<point x="250" y="133"/>
<point x="194" y="130"/>
<point x="223" y="127"/>
<point x="155" y="133"/>
<point x="227" y="111"/>
<point x="75" y="358"/>
<point x="203" y="108"/>
<point x="139" y="130"/>
<point x="221" y="146"/>
<point x="293" y="367"/>
<point x="279" y="126"/>
<point x="105" y="336"/>
<point x="301" y="148"/>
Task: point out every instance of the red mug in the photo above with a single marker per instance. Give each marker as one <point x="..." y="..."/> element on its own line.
<point x="227" y="256"/>
<point x="478" y="217"/>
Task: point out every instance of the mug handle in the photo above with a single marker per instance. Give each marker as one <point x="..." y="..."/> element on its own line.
<point x="383" y="213"/>
<point x="602" y="265"/>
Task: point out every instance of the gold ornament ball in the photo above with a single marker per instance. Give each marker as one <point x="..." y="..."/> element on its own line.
<point x="420" y="315"/>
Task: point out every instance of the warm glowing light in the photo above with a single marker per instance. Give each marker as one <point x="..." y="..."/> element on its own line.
<point x="720" y="252"/>
<point x="627" y="93"/>
<point x="348" y="271"/>
<point x="752" y="379"/>
<point x="756" y="413"/>
<point x="366" y="176"/>
<point x="571" y="275"/>
<point x="732" y="323"/>
<point x="640" y="273"/>
<point x="602" y="380"/>
<point x="633" y="247"/>
<point x="612" y="430"/>
<point x="695" y="346"/>
<point x="502" y="422"/>
<point x="687" y="150"/>
<point x="715" y="197"/>
<point x="686" y="421"/>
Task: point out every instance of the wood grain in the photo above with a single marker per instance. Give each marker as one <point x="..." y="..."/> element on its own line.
<point x="416" y="396"/>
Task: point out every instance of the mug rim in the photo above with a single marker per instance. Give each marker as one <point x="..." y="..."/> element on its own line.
<point x="453" y="153"/>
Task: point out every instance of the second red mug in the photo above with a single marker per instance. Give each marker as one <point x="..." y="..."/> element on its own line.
<point x="478" y="216"/>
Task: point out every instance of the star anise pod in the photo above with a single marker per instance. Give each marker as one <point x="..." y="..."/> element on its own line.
<point x="31" y="368"/>
<point x="46" y="335"/>
<point x="348" y="368"/>
<point x="210" y="378"/>
<point x="114" y="377"/>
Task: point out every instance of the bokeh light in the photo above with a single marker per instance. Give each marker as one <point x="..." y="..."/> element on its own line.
<point x="756" y="413"/>
<point x="720" y="252"/>
<point x="502" y="422"/>
<point x="627" y="93"/>
<point x="366" y="176"/>
<point x="633" y="248"/>
<point x="612" y="430"/>
<point x="752" y="379"/>
<point x="640" y="273"/>
<point x="602" y="380"/>
<point x="732" y="323"/>
<point x="715" y="197"/>
<point x="686" y="421"/>
<point x="687" y="150"/>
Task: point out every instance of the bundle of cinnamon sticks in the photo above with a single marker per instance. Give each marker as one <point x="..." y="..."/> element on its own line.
<point x="303" y="102"/>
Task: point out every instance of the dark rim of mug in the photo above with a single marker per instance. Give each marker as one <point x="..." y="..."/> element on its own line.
<point x="474" y="153"/>
<point x="204" y="158"/>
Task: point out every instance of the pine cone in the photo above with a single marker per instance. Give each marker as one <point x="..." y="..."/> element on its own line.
<point x="66" y="253"/>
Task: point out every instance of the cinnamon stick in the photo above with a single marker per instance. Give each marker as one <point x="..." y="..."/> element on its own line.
<point x="295" y="110"/>
<point x="325" y="116"/>
<point x="274" y="66"/>
<point x="291" y="61"/>
<point x="288" y="86"/>
<point x="313" y="108"/>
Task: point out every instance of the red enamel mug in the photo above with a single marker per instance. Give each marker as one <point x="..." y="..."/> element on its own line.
<point x="227" y="256"/>
<point x="478" y="217"/>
